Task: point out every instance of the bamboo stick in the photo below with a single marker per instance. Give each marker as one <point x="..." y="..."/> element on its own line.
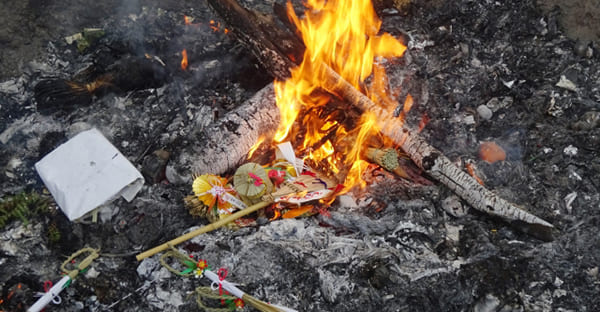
<point x="308" y="184"/>
<point x="202" y="230"/>
<point x="387" y="159"/>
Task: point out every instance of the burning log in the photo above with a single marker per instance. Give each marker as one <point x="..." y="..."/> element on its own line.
<point x="438" y="166"/>
<point x="230" y="139"/>
<point x="428" y="158"/>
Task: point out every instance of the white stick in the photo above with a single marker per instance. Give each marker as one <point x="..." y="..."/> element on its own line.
<point x="234" y="290"/>
<point x="48" y="296"/>
<point x="226" y="285"/>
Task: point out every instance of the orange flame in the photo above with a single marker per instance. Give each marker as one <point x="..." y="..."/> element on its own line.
<point x="346" y="40"/>
<point x="187" y="20"/>
<point x="408" y="103"/>
<point x="184" y="59"/>
<point x="256" y="145"/>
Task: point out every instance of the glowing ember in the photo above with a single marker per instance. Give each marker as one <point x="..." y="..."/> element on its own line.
<point x="216" y="26"/>
<point x="423" y="122"/>
<point x="471" y="171"/>
<point x="407" y="104"/>
<point x="184" y="59"/>
<point x="346" y="40"/>
<point x="187" y="20"/>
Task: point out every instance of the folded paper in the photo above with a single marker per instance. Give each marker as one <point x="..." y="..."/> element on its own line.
<point x="86" y="172"/>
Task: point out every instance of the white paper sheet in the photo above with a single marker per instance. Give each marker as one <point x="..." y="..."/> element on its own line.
<point x="86" y="172"/>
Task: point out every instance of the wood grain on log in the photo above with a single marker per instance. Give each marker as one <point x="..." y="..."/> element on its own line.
<point x="230" y="139"/>
<point x="260" y="34"/>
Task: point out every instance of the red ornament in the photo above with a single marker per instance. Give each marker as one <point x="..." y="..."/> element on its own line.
<point x="239" y="303"/>
<point x="202" y="264"/>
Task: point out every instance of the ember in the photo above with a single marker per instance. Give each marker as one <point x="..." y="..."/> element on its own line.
<point x="491" y="152"/>
<point x="184" y="59"/>
<point x="216" y="27"/>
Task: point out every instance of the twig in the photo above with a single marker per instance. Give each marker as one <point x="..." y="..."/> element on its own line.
<point x="143" y="287"/>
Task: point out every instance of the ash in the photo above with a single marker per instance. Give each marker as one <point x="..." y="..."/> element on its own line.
<point x="481" y="70"/>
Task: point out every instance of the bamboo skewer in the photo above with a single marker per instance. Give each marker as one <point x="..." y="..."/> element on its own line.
<point x="309" y="184"/>
<point x="202" y="230"/>
<point x="430" y="159"/>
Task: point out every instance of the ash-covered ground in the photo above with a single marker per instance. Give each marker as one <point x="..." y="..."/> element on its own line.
<point x="481" y="70"/>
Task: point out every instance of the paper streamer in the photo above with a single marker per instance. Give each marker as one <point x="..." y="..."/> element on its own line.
<point x="287" y="152"/>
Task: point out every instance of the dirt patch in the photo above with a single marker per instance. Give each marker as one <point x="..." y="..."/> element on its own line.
<point x="579" y="19"/>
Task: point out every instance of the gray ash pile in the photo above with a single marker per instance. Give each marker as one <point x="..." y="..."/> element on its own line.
<point x="481" y="71"/>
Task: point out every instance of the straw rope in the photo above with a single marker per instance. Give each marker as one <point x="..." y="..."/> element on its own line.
<point x="206" y="292"/>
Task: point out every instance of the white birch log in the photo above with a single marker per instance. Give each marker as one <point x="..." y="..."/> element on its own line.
<point x="432" y="160"/>
<point x="229" y="140"/>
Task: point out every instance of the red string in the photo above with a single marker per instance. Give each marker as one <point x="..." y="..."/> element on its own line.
<point x="300" y="183"/>
<point x="222" y="273"/>
<point x="309" y="173"/>
<point x="47" y="285"/>
<point x="257" y="180"/>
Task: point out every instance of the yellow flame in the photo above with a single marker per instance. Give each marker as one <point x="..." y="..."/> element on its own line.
<point x="342" y="34"/>
<point x="256" y="145"/>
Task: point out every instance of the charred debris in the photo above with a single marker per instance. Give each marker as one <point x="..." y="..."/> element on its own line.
<point x="481" y="71"/>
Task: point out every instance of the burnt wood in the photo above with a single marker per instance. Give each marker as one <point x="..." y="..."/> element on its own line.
<point x="428" y="158"/>
<point x="273" y="46"/>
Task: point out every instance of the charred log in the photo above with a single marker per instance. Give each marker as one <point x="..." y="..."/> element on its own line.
<point x="438" y="166"/>
<point x="273" y="46"/>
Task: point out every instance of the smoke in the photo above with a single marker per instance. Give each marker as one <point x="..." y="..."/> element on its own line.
<point x="128" y="7"/>
<point x="133" y="36"/>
